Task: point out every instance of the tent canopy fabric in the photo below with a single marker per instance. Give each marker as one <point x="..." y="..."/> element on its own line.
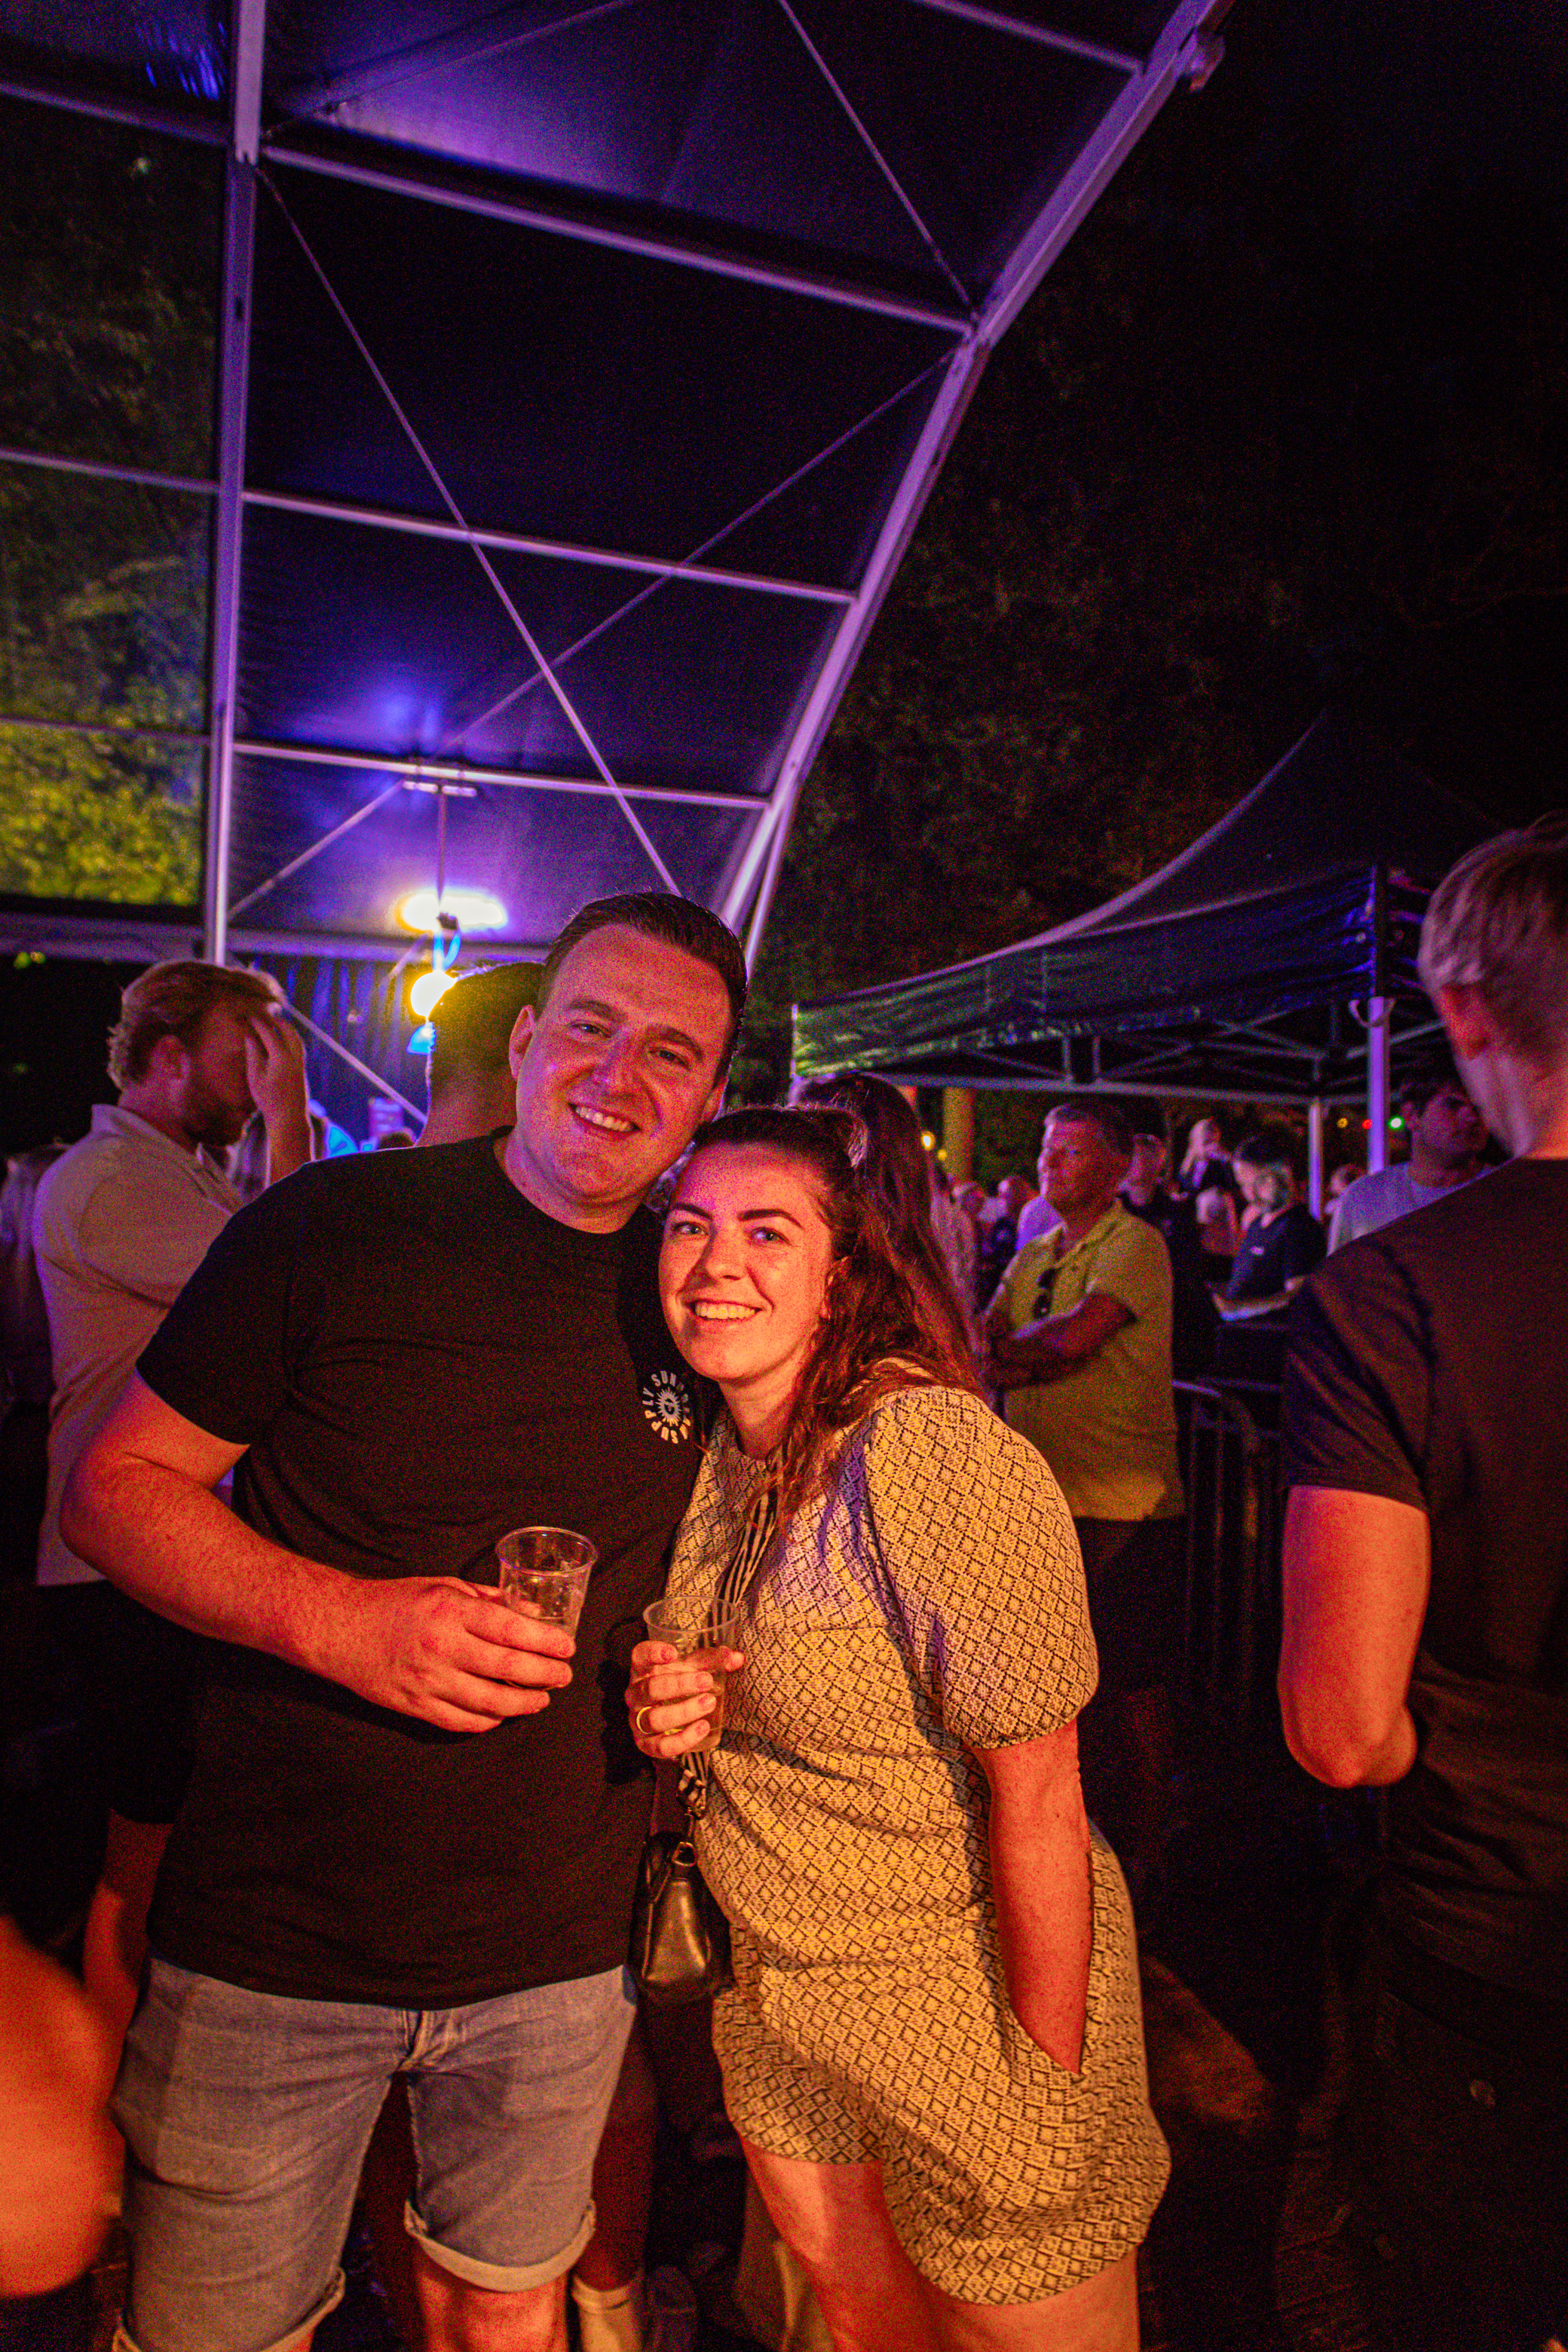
<point x="1244" y="967"/>
<point x="582" y="367"/>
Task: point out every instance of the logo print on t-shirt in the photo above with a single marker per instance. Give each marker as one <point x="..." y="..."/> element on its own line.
<point x="667" y="1406"/>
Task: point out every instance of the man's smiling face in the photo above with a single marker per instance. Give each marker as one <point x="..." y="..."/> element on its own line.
<point x="614" y="1073"/>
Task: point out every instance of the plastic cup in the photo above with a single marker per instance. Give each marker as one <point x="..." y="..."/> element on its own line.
<point x="696" y="1636"/>
<point x="544" y="1573"/>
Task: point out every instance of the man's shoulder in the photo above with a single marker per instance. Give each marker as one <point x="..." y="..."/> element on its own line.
<point x="1370" y="1196"/>
<point x="103" y="1157"/>
<point x="1494" y="1226"/>
<point x="1126" y="1239"/>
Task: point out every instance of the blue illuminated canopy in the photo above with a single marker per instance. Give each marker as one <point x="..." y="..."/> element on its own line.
<point x="578" y="370"/>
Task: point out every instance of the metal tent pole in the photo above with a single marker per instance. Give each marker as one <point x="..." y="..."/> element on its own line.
<point x="962" y="375"/>
<point x="234" y="379"/>
<point x="1378" y="1010"/>
<point x="1186" y="52"/>
<point x="1316" y="1111"/>
<point x="1379" y="1025"/>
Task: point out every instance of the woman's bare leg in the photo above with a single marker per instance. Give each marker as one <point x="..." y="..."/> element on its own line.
<point x="834" y="2218"/>
<point x="874" y="2300"/>
<point x="1099" y="2316"/>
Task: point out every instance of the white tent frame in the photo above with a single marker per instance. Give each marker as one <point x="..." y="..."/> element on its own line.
<point x="1185" y="53"/>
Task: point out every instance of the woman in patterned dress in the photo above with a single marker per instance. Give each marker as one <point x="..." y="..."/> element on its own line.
<point x="932" y="2049"/>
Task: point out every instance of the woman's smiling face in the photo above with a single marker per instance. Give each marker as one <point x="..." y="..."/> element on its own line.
<point x="744" y="1276"/>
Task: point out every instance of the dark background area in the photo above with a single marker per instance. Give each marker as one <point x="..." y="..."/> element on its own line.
<point x="1284" y="430"/>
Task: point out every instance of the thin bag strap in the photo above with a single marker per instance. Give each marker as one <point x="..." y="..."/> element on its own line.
<point x="761" y="1524"/>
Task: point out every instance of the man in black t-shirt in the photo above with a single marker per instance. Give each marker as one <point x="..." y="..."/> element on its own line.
<point x="1425" y="1644"/>
<point x="414" y="1819"/>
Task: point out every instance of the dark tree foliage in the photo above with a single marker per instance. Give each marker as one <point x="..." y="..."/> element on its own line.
<point x="107" y="276"/>
<point x="1251" y="451"/>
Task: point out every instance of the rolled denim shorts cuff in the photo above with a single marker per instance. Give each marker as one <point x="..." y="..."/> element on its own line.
<point x="295" y="2335"/>
<point x="500" y="2278"/>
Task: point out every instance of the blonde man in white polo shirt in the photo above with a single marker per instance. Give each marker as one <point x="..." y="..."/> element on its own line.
<point x="121" y="1222"/>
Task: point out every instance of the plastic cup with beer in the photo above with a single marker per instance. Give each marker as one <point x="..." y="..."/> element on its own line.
<point x="544" y="1573"/>
<point x="699" y="1636"/>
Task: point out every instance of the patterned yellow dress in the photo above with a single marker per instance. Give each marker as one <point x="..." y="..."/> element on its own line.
<point x="930" y="1602"/>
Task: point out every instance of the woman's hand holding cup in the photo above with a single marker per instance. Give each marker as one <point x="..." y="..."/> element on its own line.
<point x="676" y="1697"/>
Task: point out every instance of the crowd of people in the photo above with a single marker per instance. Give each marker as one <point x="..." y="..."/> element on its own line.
<point x="907" y="1461"/>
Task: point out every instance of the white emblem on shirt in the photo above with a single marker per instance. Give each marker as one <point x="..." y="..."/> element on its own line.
<point x="668" y="1405"/>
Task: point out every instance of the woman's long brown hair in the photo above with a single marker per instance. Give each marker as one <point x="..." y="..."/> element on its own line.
<point x="880" y="1330"/>
<point x="891" y="1164"/>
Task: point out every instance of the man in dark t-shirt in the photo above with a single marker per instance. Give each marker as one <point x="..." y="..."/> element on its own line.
<point x="1425" y="1646"/>
<point x="413" y="1818"/>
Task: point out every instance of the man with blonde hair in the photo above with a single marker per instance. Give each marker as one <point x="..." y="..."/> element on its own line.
<point x="120" y="1224"/>
<point x="1425" y="1647"/>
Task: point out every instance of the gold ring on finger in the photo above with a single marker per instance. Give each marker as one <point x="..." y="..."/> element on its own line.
<point x="639" y="1725"/>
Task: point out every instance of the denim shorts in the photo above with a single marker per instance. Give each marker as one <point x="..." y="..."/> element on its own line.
<point x="246" y="2116"/>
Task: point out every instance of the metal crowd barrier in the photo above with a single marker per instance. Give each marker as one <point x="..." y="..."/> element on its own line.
<point x="1235" y="1517"/>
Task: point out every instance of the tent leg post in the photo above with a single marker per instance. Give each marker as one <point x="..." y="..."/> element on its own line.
<point x="1315" y="1115"/>
<point x="234" y="368"/>
<point x="1377" y="1043"/>
<point x="958" y="1133"/>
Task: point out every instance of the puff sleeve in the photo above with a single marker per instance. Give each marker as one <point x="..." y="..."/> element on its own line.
<point x="980" y="1562"/>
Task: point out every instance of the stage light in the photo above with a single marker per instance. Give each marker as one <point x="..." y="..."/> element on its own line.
<point x="1397" y="1122"/>
<point x="928" y="1141"/>
<point x="470" y="910"/>
<point x="427" y="991"/>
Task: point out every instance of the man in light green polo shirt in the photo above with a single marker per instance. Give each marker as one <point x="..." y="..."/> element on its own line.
<point x="1078" y="1339"/>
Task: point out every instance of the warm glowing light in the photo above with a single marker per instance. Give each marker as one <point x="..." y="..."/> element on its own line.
<point x="427" y="991"/>
<point x="928" y="1141"/>
<point x="471" y="910"/>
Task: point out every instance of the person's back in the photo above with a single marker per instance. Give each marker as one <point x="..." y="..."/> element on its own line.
<point x="1442" y="1314"/>
<point x="1425" y="1639"/>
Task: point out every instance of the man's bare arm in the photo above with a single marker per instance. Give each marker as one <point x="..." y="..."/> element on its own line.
<point x="1357" y="1570"/>
<point x="1057" y="1344"/>
<point x="139" y="1505"/>
<point x="1040" y="1882"/>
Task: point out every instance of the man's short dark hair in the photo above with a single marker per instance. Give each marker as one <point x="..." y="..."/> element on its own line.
<point x="676" y="923"/>
<point x="1429" y="1077"/>
<point x="1111" y="1122"/>
<point x="1271" y="1149"/>
<point x="473" y="1023"/>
